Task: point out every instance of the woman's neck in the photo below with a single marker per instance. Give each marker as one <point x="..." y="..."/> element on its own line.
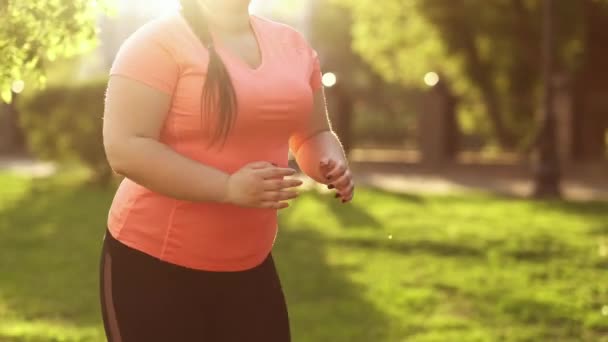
<point x="226" y="20"/>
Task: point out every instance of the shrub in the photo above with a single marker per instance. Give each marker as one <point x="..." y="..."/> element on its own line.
<point x="64" y="123"/>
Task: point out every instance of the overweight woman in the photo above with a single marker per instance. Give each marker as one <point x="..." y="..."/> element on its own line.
<point x="201" y="111"/>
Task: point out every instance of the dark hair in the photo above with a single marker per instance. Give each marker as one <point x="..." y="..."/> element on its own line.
<point x="218" y="95"/>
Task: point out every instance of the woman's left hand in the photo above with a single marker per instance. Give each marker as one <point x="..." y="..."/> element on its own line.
<point x="339" y="177"/>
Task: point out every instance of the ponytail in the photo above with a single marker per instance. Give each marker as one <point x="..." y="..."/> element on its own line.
<point x="218" y="96"/>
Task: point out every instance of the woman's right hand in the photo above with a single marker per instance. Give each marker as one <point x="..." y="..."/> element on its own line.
<point x="261" y="185"/>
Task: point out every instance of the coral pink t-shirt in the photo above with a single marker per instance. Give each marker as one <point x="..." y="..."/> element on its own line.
<point x="275" y="102"/>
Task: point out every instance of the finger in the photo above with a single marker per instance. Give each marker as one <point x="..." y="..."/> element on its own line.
<point x="260" y="165"/>
<point x="276" y="172"/>
<point x="274" y="205"/>
<point x="343" y="181"/>
<point x="329" y="166"/>
<point x="352" y="191"/>
<point x="337" y="171"/>
<point x="343" y="199"/>
<point x="276" y="184"/>
<point x="351" y="196"/>
<point x="276" y="196"/>
<point x="325" y="165"/>
<point x="348" y="192"/>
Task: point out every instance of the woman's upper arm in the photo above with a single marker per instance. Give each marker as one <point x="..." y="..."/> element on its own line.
<point x="133" y="109"/>
<point x="142" y="80"/>
<point x="319" y="119"/>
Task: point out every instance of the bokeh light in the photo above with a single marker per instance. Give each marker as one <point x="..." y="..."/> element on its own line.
<point x="329" y="79"/>
<point x="18" y="86"/>
<point x="431" y="79"/>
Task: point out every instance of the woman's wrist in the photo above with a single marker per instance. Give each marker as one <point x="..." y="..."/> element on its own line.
<point x="225" y="197"/>
<point x="313" y="150"/>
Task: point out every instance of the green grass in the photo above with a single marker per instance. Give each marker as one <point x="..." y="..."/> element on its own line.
<point x="386" y="268"/>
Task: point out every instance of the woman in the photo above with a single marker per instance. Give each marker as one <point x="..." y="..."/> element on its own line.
<point x="202" y="108"/>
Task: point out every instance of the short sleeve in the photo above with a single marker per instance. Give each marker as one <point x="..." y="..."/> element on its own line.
<point x="143" y="57"/>
<point x="316" y="76"/>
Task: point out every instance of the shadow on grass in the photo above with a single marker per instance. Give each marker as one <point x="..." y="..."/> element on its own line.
<point x="411" y="247"/>
<point x="597" y="209"/>
<point x="537" y="248"/>
<point x="540" y="249"/>
<point x="595" y="212"/>
<point x="324" y="304"/>
<point x="412" y="198"/>
<point x="350" y="215"/>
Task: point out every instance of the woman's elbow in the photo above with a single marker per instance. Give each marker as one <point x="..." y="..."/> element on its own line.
<point x="116" y="155"/>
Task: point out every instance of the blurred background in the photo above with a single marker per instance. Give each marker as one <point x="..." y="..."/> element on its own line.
<point x="477" y="131"/>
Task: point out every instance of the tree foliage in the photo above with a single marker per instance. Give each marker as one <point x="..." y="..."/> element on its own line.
<point x="33" y="33"/>
<point x="489" y="52"/>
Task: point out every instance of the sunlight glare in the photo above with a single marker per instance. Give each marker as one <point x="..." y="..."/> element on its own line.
<point x="151" y="7"/>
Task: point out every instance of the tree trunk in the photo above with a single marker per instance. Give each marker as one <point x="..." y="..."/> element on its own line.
<point x="480" y="74"/>
<point x="591" y="88"/>
<point x="11" y="137"/>
<point x="343" y="115"/>
<point x="547" y="175"/>
<point x="451" y="130"/>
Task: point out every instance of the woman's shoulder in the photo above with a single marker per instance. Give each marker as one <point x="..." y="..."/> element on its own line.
<point x="162" y="30"/>
<point x="167" y="34"/>
<point x="282" y="32"/>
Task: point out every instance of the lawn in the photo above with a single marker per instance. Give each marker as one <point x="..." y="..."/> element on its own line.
<point x="466" y="267"/>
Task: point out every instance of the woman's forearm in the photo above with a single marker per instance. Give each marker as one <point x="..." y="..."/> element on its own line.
<point x="157" y="167"/>
<point x="324" y="144"/>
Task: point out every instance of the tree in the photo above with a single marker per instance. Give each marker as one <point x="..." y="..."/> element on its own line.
<point x="358" y="84"/>
<point x="33" y="33"/>
<point x="489" y="51"/>
<point x="547" y="174"/>
<point x="590" y="84"/>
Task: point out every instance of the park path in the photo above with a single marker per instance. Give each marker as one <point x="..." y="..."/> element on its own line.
<point x="26" y="166"/>
<point x="413" y="178"/>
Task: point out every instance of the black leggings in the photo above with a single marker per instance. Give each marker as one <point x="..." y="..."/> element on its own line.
<point x="144" y="299"/>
